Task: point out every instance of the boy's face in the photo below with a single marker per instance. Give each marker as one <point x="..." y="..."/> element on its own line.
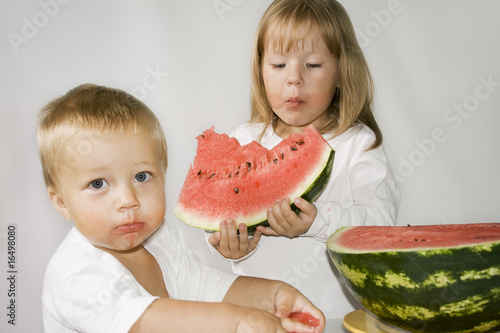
<point x="116" y="194"/>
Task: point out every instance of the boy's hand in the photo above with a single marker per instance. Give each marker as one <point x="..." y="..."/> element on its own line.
<point x="231" y="245"/>
<point x="284" y="221"/>
<point x="288" y="300"/>
<point x="261" y="321"/>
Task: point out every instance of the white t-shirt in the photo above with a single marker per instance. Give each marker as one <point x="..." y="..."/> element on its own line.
<point x="88" y="290"/>
<point x="362" y="190"/>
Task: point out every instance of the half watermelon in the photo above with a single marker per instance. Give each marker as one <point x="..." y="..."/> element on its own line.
<point x="231" y="181"/>
<point x="433" y="278"/>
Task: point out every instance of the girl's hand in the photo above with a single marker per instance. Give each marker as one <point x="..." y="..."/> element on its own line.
<point x="284" y="221"/>
<point x="231" y="245"/>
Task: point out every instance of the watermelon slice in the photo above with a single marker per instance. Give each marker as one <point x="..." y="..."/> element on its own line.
<point x="230" y="181"/>
<point x="433" y="278"/>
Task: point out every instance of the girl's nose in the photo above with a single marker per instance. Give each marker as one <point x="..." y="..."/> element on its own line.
<point x="127" y="199"/>
<point x="295" y="76"/>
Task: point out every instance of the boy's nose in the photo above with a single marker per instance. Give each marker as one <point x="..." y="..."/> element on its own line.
<point x="127" y="199"/>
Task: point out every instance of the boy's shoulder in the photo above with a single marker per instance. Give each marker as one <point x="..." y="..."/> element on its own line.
<point x="73" y="256"/>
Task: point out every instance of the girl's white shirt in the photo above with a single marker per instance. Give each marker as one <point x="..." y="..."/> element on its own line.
<point x="362" y="190"/>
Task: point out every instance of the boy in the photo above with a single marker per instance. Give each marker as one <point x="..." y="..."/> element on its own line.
<point x="121" y="269"/>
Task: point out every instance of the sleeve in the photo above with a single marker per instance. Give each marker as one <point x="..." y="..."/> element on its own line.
<point x="371" y="190"/>
<point x="190" y="279"/>
<point x="97" y="298"/>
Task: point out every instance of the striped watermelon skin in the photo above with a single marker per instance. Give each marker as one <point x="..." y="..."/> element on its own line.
<point x="452" y="289"/>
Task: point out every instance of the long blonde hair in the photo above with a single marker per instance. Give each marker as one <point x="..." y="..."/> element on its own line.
<point x="353" y="99"/>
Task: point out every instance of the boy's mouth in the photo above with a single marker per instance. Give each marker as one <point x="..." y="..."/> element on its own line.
<point x="130" y="227"/>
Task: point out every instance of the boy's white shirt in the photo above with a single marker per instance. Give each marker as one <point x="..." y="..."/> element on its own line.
<point x="88" y="290"/>
<point x="362" y="190"/>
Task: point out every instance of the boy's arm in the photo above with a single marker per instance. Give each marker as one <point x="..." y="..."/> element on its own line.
<point x="274" y="296"/>
<point x="250" y="305"/>
<point x="167" y="315"/>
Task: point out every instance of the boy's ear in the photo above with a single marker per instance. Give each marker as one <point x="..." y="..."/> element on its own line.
<point x="58" y="203"/>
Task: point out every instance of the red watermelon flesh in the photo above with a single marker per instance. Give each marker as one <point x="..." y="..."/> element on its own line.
<point x="304" y="318"/>
<point x="231" y="181"/>
<point x="377" y="238"/>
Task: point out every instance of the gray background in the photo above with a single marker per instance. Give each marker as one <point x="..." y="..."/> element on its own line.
<point x="189" y="61"/>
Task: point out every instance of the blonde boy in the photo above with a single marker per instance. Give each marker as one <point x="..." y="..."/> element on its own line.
<point x="121" y="269"/>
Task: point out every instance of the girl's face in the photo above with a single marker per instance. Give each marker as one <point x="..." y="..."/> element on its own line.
<point x="115" y="195"/>
<point x="300" y="84"/>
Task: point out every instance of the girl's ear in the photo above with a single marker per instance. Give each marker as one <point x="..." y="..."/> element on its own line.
<point x="58" y="203"/>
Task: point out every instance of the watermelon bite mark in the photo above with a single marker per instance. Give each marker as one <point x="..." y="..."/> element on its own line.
<point x="230" y="181"/>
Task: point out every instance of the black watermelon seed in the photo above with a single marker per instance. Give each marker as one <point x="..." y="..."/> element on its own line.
<point x="236" y="190"/>
<point x="282" y="156"/>
<point x="301" y="142"/>
<point x="293" y="148"/>
<point x="275" y="160"/>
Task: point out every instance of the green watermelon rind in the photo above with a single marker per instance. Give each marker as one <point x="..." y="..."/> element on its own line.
<point x="422" y="290"/>
<point x="316" y="182"/>
<point x="311" y="194"/>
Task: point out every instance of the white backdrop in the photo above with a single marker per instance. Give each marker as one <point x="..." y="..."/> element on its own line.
<point x="435" y="65"/>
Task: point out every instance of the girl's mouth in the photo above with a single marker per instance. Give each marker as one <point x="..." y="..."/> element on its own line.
<point x="294" y="101"/>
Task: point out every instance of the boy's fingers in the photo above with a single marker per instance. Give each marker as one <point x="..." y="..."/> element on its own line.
<point x="295" y="326"/>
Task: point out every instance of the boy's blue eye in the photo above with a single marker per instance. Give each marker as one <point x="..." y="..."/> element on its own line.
<point x="98" y="184"/>
<point x="142" y="176"/>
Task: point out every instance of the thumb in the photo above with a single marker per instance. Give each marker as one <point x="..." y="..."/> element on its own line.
<point x="305" y="206"/>
<point x="214" y="239"/>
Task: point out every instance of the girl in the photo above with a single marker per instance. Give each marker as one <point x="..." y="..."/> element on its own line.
<point x="308" y="68"/>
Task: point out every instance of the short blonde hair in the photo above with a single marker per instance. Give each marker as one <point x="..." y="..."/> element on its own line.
<point x="353" y="99"/>
<point x="92" y="112"/>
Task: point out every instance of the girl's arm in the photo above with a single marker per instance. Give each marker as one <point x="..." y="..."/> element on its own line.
<point x="250" y="305"/>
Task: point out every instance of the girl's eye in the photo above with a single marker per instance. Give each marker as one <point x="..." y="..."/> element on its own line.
<point x="314" y="65"/>
<point x="98" y="184"/>
<point x="142" y="176"/>
<point x="278" y="65"/>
